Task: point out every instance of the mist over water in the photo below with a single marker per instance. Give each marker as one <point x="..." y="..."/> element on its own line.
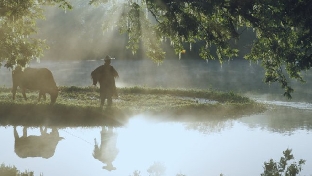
<point x="238" y="76"/>
<point x="77" y="45"/>
<point x="214" y="147"/>
<point x="211" y="147"/>
<point x="78" y="42"/>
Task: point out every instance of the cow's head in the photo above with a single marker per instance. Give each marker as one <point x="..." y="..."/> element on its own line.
<point x="53" y="94"/>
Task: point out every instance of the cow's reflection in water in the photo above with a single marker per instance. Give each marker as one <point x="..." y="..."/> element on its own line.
<point x="36" y="146"/>
<point x="107" y="151"/>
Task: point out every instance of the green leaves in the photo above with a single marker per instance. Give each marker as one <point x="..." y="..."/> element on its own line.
<point x="281" y="42"/>
<point x="18" y="46"/>
<point x="16" y="25"/>
<point x="150" y="23"/>
<point x="283" y="168"/>
<point x="283" y="31"/>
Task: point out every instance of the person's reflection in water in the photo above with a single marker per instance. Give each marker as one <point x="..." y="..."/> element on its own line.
<point x="36" y="146"/>
<point x="107" y="151"/>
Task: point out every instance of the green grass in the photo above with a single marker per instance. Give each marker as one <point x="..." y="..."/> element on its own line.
<point x="80" y="106"/>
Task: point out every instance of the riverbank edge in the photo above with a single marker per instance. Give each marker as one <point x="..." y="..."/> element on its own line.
<point x="178" y="105"/>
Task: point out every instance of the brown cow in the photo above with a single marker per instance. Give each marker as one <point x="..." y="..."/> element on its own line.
<point x="35" y="79"/>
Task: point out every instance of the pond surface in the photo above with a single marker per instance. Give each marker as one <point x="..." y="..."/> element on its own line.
<point x="231" y="147"/>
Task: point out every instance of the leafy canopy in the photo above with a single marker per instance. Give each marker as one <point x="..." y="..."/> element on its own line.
<point x="17" y="27"/>
<point x="282" y="27"/>
<point x="283" y="31"/>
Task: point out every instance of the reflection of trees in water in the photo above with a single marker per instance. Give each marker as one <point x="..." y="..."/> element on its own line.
<point x="156" y="169"/>
<point x="292" y="120"/>
<point x="43" y="145"/>
<point x="136" y="173"/>
<point x="212" y="126"/>
<point x="107" y="151"/>
<point x="281" y="120"/>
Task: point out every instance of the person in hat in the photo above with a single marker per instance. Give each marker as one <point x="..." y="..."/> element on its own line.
<point x="105" y="75"/>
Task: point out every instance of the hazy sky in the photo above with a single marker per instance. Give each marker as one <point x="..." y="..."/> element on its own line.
<point x="77" y="34"/>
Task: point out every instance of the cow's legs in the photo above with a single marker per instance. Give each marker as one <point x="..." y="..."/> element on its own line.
<point x="25" y="132"/>
<point x="102" y="101"/>
<point x="24" y="94"/>
<point x="43" y="130"/>
<point x="42" y="94"/>
<point x="16" y="136"/>
<point x="14" y="91"/>
<point x="109" y="101"/>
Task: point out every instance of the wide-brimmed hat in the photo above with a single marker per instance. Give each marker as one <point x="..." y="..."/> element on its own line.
<point x="108" y="58"/>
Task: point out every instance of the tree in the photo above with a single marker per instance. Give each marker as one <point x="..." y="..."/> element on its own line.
<point x="283" y="30"/>
<point x="282" y="27"/>
<point x="18" y="19"/>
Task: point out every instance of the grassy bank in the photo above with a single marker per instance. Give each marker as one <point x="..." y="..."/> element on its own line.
<point x="80" y="106"/>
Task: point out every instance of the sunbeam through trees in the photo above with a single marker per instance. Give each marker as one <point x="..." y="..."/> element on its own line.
<point x="282" y="29"/>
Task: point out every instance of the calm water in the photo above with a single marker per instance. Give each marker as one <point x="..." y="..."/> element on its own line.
<point x="231" y="147"/>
